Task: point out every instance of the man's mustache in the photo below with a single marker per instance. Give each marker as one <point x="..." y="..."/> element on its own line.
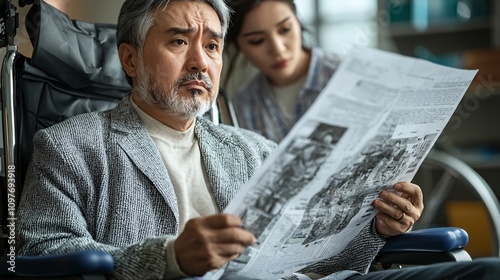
<point x="196" y="77"/>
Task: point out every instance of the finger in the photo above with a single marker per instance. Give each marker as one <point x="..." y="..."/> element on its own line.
<point x="213" y="256"/>
<point x="401" y="204"/>
<point x="414" y="194"/>
<point x="397" y="202"/>
<point x="196" y="256"/>
<point x="411" y="192"/>
<point x="196" y="232"/>
<point x="382" y="226"/>
<point x="388" y="226"/>
<point x="396" y="219"/>
<point x="220" y="221"/>
<point x="228" y="251"/>
<point x="234" y="235"/>
<point x="387" y="208"/>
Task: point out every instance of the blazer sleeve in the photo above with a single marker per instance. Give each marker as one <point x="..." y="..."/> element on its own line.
<point x="52" y="213"/>
<point x="356" y="257"/>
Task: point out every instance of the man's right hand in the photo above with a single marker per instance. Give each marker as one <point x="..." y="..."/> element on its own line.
<point x="210" y="242"/>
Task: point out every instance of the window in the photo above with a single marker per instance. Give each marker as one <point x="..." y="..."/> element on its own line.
<point x="338" y="25"/>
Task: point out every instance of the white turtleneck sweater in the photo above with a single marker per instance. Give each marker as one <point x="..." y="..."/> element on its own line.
<point x="181" y="155"/>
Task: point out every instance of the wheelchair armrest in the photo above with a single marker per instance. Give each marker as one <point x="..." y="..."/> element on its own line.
<point x="425" y="246"/>
<point x="60" y="265"/>
<point x="440" y="239"/>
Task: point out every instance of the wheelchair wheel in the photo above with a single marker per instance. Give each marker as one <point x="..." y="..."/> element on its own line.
<point x="444" y="178"/>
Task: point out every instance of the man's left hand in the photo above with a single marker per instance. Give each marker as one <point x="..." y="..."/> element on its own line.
<point x="398" y="211"/>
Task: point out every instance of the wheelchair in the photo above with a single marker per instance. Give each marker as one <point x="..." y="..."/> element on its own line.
<point x="75" y="69"/>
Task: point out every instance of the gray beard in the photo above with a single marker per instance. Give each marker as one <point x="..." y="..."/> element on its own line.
<point x="166" y="97"/>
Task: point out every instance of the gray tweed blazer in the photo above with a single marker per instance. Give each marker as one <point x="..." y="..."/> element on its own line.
<point x="96" y="181"/>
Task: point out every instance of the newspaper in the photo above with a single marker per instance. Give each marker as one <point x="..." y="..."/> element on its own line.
<point x="372" y="126"/>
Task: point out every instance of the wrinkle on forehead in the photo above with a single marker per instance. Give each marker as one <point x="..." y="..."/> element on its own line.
<point x="193" y="13"/>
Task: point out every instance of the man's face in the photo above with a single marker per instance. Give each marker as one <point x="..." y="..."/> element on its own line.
<point x="179" y="69"/>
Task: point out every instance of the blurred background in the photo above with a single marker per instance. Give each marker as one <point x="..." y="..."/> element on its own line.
<point x="456" y="33"/>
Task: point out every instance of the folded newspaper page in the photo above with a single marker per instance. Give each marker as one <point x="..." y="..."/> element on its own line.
<point x="372" y="126"/>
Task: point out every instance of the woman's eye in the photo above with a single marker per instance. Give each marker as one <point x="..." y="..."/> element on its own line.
<point x="285" y="30"/>
<point x="256" y="42"/>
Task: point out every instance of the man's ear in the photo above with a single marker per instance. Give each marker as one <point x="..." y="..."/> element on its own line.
<point x="128" y="57"/>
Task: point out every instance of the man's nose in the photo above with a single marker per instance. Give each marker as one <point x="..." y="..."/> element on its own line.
<point x="197" y="61"/>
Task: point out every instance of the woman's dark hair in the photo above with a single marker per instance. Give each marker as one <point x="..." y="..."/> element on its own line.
<point x="240" y="10"/>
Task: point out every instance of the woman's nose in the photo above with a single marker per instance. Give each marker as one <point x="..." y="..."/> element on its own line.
<point x="277" y="46"/>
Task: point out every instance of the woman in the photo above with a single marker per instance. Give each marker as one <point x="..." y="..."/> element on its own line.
<point x="270" y="36"/>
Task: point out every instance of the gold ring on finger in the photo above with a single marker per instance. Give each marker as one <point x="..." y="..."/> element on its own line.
<point x="402" y="216"/>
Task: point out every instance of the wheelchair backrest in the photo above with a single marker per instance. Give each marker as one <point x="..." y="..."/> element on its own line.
<point x="74" y="69"/>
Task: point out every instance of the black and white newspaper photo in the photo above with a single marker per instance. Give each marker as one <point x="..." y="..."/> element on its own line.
<point x="372" y="126"/>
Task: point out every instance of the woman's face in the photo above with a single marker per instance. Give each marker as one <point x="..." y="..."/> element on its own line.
<point x="270" y="38"/>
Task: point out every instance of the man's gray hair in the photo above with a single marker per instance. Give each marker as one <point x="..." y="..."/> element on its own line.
<point x="137" y="16"/>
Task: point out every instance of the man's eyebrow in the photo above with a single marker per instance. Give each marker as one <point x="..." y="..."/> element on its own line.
<point x="184" y="31"/>
<point x="258" y="32"/>
<point x="215" y="34"/>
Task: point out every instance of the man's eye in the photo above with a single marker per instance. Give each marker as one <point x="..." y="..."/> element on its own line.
<point x="213" y="47"/>
<point x="179" y="42"/>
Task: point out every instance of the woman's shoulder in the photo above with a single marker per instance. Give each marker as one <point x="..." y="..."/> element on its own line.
<point x="253" y="82"/>
<point x="252" y="86"/>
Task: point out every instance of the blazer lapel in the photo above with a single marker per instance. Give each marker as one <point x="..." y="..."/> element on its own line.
<point x="225" y="163"/>
<point x="137" y="144"/>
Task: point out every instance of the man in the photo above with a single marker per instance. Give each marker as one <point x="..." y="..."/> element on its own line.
<point x="147" y="180"/>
